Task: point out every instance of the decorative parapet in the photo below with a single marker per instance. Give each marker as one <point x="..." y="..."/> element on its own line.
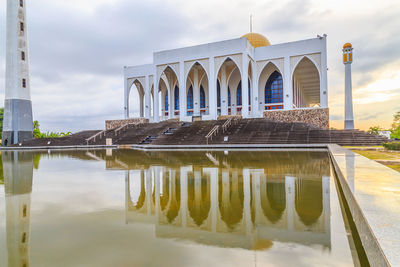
<point x="112" y="124"/>
<point x="317" y="117"/>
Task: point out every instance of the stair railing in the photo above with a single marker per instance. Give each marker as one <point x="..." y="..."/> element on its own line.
<point x="213" y="132"/>
<point x="98" y="135"/>
<point x="226" y="125"/>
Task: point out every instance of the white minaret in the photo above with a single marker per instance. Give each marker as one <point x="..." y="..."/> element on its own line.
<point x="18" y="125"/>
<point x="347" y="60"/>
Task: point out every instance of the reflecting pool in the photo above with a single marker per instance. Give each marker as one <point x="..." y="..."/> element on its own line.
<point x="136" y="208"/>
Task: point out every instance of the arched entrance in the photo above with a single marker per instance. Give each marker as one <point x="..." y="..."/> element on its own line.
<point x="270" y="90"/>
<point x="169" y="88"/>
<point x="228" y="78"/>
<point x="306" y="84"/>
<point x="197" y="91"/>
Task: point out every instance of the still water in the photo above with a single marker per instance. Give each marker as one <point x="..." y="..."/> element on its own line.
<point x="134" y="208"/>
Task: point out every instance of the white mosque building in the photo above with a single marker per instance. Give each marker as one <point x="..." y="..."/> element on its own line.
<point x="246" y="76"/>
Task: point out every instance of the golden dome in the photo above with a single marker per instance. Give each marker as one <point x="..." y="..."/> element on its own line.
<point x="257" y="40"/>
<point x="347" y="45"/>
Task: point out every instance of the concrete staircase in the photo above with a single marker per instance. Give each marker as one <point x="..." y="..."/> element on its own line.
<point x="262" y="131"/>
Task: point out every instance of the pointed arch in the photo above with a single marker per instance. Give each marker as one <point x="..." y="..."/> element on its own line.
<point x="306" y="81"/>
<point x="273" y="199"/>
<point x="197" y="74"/>
<point x="199" y="198"/>
<point x="308" y="208"/>
<point x="228" y="59"/>
<point x="190" y="67"/>
<point x="270" y="87"/>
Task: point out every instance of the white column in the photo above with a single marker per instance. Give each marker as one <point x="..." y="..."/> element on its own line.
<point x="182" y="91"/>
<point x="287" y="85"/>
<point x="157" y="178"/>
<point x="196" y="92"/>
<point x="255" y="98"/>
<point x="349" y="115"/>
<point x="214" y="198"/>
<point x="326" y="200"/>
<point x="290" y="201"/>
<point x="147" y="97"/>
<point x="247" y="208"/>
<point x="141" y="96"/>
<point x="147" y="179"/>
<point x="156" y="106"/>
<point x="212" y="88"/>
<point x="224" y="92"/>
<point x="324" y="77"/>
<point x="126" y="98"/>
<point x="184" y="195"/>
<point x="245" y="86"/>
<point x="127" y="195"/>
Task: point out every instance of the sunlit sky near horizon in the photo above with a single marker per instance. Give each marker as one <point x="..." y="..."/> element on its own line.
<point x="78" y="50"/>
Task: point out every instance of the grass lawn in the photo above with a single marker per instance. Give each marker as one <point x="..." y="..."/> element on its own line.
<point x="394" y="167"/>
<point x="363" y="147"/>
<point x="381" y="155"/>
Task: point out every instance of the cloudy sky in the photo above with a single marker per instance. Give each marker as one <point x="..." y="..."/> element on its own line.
<point x="78" y="49"/>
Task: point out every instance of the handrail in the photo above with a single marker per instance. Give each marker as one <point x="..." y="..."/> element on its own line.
<point x="99" y="134"/>
<point x="124" y="127"/>
<point x="226" y="125"/>
<point x="213" y="132"/>
<point x="120" y="128"/>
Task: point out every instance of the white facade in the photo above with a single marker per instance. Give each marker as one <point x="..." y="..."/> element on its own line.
<point x="205" y="80"/>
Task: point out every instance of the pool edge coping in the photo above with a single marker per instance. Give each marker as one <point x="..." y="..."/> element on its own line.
<point x="375" y="254"/>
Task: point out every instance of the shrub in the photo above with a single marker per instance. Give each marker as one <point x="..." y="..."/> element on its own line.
<point x="392" y="146"/>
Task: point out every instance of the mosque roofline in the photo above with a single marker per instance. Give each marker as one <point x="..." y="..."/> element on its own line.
<point x="230" y="46"/>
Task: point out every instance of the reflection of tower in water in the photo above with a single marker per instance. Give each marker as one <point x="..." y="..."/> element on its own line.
<point x="18" y="171"/>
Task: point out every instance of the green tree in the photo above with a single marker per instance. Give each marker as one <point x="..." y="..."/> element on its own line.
<point x="396" y="126"/>
<point x="375" y="130"/>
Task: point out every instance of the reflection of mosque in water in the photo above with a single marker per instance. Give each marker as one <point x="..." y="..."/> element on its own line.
<point x="18" y="171"/>
<point x="233" y="207"/>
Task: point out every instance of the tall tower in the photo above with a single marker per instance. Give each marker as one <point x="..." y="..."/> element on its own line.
<point x="347" y="60"/>
<point x="18" y="124"/>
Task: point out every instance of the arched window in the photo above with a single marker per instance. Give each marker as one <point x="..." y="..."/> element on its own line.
<point x="229" y="97"/>
<point x="176" y="97"/>
<point x="239" y="95"/>
<point x="274" y="89"/>
<point x="166" y="101"/>
<point x="202" y="97"/>
<point x="218" y="95"/>
<point x="190" y="98"/>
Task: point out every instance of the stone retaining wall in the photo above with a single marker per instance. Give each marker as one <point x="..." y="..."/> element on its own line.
<point x="112" y="124"/>
<point x="226" y="117"/>
<point x="317" y="117"/>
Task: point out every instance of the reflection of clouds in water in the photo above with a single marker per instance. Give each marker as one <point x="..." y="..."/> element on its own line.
<point x="209" y="197"/>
